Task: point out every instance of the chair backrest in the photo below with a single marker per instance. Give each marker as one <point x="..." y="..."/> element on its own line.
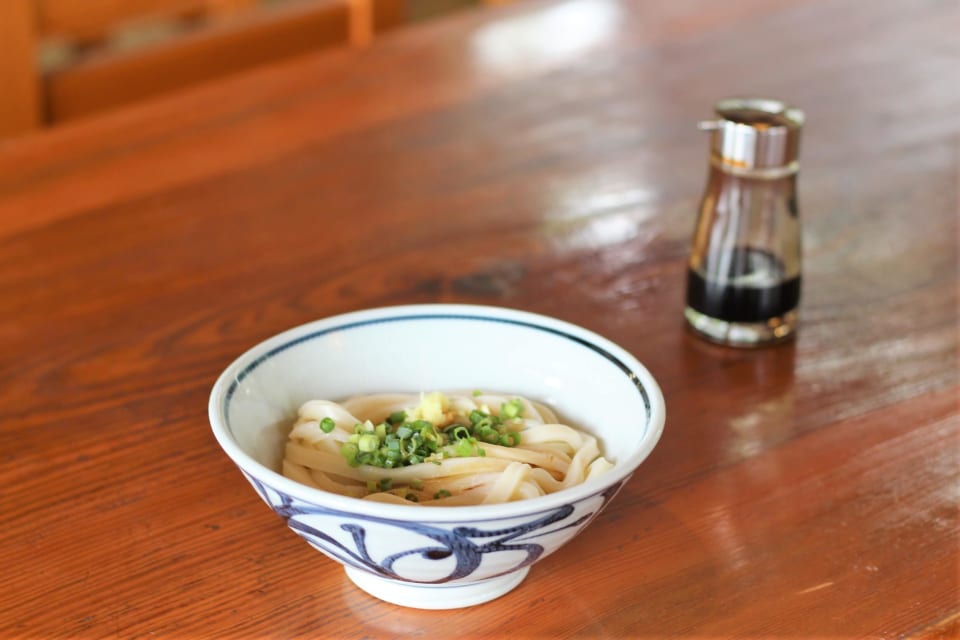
<point x="204" y="39"/>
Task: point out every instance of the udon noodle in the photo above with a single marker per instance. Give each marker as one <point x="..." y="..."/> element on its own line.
<point x="438" y="449"/>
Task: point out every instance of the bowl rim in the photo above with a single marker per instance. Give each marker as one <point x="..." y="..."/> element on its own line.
<point x="230" y="377"/>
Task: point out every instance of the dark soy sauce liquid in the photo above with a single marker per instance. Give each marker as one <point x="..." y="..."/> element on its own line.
<point x="752" y="289"/>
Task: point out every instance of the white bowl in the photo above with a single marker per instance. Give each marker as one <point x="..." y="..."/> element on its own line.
<point x="432" y="557"/>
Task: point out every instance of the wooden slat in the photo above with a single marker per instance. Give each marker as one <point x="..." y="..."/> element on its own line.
<point x="19" y="86"/>
<point x="361" y="22"/>
<point x="388" y="14"/>
<point x="226" y="7"/>
<point x="90" y="19"/>
<point x="370" y="17"/>
<point x="113" y="80"/>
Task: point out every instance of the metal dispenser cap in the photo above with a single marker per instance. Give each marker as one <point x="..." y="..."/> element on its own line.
<point x="756" y="137"/>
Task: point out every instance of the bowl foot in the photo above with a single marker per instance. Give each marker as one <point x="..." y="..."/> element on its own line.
<point x="436" y="596"/>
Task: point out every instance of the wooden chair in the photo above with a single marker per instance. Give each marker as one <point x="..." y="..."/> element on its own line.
<point x="215" y="37"/>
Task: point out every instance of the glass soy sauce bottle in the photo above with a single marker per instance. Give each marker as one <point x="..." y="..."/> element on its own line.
<point x="743" y="282"/>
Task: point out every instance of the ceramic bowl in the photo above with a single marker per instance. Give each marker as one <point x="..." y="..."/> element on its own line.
<point x="423" y="556"/>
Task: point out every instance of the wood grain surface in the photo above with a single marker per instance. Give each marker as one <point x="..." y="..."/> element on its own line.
<point x="542" y="156"/>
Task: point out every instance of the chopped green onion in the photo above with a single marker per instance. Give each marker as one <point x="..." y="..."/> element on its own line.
<point x="327" y="425"/>
<point x="397" y="442"/>
<point x="429" y="434"/>
<point x="412" y="497"/>
<point x="349" y="451"/>
<point x="443" y="493"/>
<point x="368" y="442"/>
<point x="386" y="484"/>
<point x="509" y="439"/>
<point x="465" y="448"/>
<point x="511" y="409"/>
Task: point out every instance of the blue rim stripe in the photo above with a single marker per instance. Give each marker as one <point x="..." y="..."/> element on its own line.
<point x="431" y="316"/>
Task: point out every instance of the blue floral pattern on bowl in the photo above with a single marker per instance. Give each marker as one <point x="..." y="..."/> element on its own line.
<point x="458" y="550"/>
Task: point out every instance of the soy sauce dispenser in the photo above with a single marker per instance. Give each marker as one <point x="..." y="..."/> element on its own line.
<point x="743" y="283"/>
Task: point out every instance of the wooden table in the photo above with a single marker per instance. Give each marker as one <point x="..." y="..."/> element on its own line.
<point x="543" y="157"/>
